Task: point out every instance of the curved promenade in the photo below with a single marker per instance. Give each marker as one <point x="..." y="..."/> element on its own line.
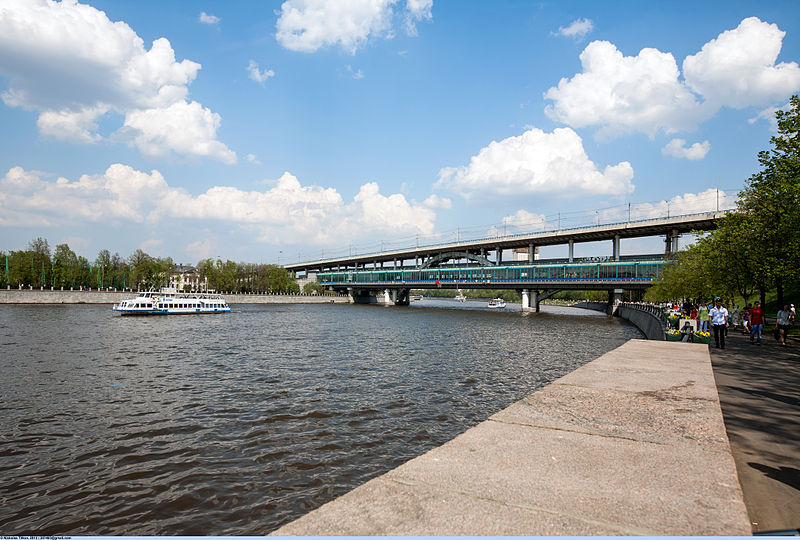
<point x="632" y="443"/>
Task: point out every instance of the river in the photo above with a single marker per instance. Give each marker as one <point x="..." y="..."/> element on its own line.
<point x="235" y="424"/>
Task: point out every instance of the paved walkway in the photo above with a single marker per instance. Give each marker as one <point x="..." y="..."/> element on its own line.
<point x="632" y="443"/>
<point x="759" y="391"/>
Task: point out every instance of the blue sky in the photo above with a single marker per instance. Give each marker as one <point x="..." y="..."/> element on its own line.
<point x="267" y="131"/>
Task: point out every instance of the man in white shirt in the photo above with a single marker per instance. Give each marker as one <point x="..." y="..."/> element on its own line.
<point x="719" y="321"/>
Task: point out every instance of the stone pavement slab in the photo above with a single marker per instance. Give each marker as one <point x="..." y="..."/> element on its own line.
<point x="631" y="443"/>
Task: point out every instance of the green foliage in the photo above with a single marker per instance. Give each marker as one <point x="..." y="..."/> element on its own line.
<point x="230" y="276"/>
<point x="756" y="248"/>
<point x="313" y="288"/>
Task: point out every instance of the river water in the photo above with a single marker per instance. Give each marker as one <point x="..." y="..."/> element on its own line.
<point x="237" y="423"/>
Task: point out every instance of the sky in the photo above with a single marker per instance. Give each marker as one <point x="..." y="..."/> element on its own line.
<point x="275" y="132"/>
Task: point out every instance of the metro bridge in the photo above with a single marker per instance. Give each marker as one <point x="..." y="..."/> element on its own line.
<point x="535" y="282"/>
<point x="387" y="277"/>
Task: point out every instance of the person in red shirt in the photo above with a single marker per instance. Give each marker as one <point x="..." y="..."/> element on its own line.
<point x="756" y="322"/>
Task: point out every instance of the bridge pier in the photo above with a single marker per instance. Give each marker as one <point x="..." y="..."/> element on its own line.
<point x="386" y="297"/>
<point x="671" y="242"/>
<point x="532" y="298"/>
<point x="615" y="297"/>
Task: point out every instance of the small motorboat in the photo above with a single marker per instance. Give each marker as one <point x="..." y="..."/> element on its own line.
<point x="497" y="303"/>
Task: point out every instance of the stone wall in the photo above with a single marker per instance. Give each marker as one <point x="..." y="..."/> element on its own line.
<point x="38" y="296"/>
<point x="646" y="321"/>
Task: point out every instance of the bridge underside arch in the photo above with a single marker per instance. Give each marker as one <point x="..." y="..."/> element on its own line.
<point x="437" y="260"/>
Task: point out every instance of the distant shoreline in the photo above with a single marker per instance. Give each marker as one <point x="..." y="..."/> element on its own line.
<point x="47" y="296"/>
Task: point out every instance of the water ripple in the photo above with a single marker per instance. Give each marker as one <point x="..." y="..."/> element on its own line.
<point x="236" y="424"/>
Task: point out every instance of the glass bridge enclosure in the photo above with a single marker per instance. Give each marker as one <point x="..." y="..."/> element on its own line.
<point x="613" y="272"/>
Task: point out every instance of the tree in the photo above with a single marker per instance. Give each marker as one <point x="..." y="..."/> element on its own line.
<point x="771" y="202"/>
<point x="39" y="251"/>
<point x="102" y="266"/>
<point x="65" y="264"/>
<point x="757" y="247"/>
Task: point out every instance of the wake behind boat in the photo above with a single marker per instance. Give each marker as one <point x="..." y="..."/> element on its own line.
<point x="170" y="302"/>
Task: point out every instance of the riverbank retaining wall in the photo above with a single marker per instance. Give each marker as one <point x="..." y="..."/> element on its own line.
<point x="38" y="296"/>
<point x="642" y="317"/>
<point x="632" y="443"/>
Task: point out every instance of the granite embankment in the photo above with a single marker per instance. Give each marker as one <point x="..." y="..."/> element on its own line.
<point x="646" y="318"/>
<point x="46" y="296"/>
<point x="632" y="443"/>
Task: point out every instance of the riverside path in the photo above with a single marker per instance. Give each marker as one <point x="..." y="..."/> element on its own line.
<point x="760" y="399"/>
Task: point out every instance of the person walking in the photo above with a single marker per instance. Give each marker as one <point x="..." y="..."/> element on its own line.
<point x="702" y="317"/>
<point x="736" y="317"/>
<point x="784" y="322"/>
<point x="719" y="321"/>
<point x="746" y="319"/>
<point x="756" y="322"/>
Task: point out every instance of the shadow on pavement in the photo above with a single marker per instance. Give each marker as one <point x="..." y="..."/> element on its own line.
<point x="759" y="391"/>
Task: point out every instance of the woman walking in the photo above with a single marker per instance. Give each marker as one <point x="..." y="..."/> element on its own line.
<point x="784" y="322"/>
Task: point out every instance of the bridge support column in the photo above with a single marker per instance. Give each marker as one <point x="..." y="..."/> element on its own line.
<point x="616" y="247"/>
<point x="571" y="250"/>
<point x="615" y="297"/>
<point x="671" y="242"/>
<point x="499" y="256"/>
<point x="396" y="297"/>
<point x="530" y="252"/>
<point x="526" y="300"/>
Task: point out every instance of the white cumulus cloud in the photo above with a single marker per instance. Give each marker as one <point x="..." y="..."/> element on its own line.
<point x="417" y="10"/>
<point x="256" y="74"/>
<point x="537" y="163"/>
<point x="677" y="148"/>
<point x="738" y="69"/>
<point x="578" y="29"/>
<point x="206" y="18"/>
<point x="288" y="211"/>
<point x="621" y="94"/>
<point x="709" y="200"/>
<point x="185" y="128"/>
<point x="624" y="94"/>
<point x="436" y="202"/>
<point x="73" y="65"/>
<point x="525" y="221"/>
<point x="309" y="25"/>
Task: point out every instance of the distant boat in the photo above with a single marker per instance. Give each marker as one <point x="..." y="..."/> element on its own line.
<point x="169" y="302"/>
<point x="415" y="297"/>
<point x="497" y="303"/>
<point x="460" y="297"/>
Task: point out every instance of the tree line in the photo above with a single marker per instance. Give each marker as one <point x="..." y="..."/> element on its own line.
<point x="40" y="266"/>
<point x="756" y="249"/>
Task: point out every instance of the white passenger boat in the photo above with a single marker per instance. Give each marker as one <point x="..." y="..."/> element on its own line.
<point x="170" y="302"/>
<point x="460" y="297"/>
<point x="497" y="303"/>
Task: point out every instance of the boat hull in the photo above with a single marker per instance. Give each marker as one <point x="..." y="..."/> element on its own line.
<point x="146" y="312"/>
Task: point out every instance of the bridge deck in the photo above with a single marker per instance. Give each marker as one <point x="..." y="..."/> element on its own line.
<point x="627" y="229"/>
<point x="630" y="274"/>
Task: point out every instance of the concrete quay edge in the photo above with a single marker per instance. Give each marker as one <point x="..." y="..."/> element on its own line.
<point x="632" y="443"/>
<point x="46" y="296"/>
